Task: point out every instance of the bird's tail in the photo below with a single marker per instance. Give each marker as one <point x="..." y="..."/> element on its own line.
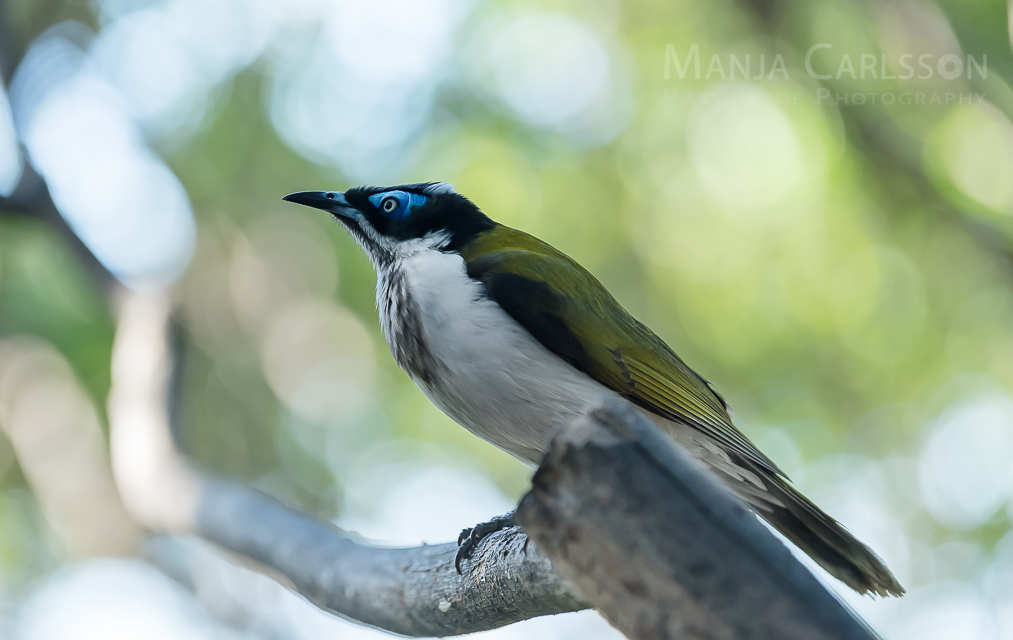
<point x="821" y="537"/>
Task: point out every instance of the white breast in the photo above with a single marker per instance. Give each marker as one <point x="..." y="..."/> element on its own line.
<point x="491" y="376"/>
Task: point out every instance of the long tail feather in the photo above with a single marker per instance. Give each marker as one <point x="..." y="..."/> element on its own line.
<point x="817" y="534"/>
<point x="821" y="537"/>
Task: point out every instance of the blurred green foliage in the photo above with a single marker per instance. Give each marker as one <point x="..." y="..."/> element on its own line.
<point x="841" y="272"/>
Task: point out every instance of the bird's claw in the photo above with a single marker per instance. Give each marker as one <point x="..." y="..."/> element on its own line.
<point x="468" y="541"/>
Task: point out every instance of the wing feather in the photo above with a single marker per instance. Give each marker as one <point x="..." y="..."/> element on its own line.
<point x="566" y="309"/>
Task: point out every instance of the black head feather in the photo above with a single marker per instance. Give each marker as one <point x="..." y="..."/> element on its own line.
<point x="444" y="210"/>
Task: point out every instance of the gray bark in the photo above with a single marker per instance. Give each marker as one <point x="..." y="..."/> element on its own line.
<point x="633" y="525"/>
<point x="661" y="549"/>
<point x="414" y="592"/>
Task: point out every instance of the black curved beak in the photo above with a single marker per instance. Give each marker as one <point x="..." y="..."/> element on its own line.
<point x="331" y="201"/>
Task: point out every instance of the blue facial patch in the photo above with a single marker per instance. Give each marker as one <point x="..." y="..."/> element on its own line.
<point x="406" y="202"/>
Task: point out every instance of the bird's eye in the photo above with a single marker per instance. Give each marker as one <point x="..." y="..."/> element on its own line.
<point x="389" y="205"/>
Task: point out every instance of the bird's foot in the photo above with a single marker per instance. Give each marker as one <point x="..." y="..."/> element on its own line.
<point x="469" y="538"/>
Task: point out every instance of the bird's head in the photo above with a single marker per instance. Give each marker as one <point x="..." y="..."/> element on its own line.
<point x="393" y="221"/>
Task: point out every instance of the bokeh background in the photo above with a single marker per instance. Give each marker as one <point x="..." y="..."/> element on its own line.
<point x="841" y="270"/>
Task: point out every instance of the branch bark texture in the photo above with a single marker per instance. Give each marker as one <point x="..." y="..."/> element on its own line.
<point x="632" y="524"/>
<point x="661" y="549"/>
<point x="414" y="592"/>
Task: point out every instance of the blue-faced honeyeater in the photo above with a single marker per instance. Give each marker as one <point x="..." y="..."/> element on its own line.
<point x="513" y="339"/>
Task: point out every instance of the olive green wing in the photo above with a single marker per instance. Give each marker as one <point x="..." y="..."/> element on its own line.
<point x="578" y="319"/>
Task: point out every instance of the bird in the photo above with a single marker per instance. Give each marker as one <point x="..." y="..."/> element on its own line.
<point x="513" y="339"/>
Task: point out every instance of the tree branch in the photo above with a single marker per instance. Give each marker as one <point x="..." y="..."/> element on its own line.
<point x="661" y="548"/>
<point x="650" y="537"/>
<point x="628" y="518"/>
<point x="413" y="592"/>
